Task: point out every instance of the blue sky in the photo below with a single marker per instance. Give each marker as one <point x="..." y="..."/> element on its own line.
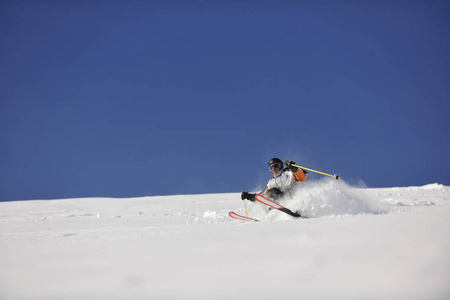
<point x="141" y="98"/>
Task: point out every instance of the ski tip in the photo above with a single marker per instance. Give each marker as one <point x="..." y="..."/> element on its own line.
<point x="240" y="217"/>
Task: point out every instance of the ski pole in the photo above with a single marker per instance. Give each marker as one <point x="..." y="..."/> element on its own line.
<point x="335" y="176"/>
<point x="245" y="204"/>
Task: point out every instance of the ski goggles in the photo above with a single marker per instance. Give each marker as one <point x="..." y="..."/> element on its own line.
<point x="275" y="166"/>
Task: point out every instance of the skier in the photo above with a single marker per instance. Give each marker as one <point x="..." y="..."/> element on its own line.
<point x="283" y="180"/>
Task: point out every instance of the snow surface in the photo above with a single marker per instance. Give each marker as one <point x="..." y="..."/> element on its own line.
<point x="358" y="243"/>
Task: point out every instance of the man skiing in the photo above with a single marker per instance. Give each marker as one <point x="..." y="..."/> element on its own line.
<point x="282" y="182"/>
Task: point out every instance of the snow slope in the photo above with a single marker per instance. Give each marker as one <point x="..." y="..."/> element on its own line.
<point x="389" y="243"/>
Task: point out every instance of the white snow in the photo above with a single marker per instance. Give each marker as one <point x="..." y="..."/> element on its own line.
<point x="359" y="243"/>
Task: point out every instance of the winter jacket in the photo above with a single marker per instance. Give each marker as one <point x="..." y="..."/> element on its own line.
<point x="283" y="180"/>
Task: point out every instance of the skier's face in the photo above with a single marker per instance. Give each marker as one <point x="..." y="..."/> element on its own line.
<point x="275" y="168"/>
<point x="275" y="171"/>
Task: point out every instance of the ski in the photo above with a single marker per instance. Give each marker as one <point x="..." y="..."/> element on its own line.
<point x="261" y="199"/>
<point x="239" y="217"/>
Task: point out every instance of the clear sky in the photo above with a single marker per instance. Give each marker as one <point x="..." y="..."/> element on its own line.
<point x="141" y="98"/>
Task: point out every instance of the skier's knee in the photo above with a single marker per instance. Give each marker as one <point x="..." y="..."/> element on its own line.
<point x="275" y="193"/>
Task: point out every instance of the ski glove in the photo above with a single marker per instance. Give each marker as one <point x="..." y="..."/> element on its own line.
<point x="247" y="195"/>
<point x="289" y="165"/>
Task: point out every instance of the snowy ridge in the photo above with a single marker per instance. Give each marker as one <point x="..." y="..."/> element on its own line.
<point x="384" y="243"/>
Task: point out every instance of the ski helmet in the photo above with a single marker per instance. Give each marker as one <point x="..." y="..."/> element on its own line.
<point x="275" y="163"/>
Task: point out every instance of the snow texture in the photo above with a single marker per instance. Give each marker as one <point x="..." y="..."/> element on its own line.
<point x="358" y="243"/>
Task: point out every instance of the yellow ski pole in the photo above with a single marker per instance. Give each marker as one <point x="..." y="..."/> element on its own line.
<point x="245" y="204"/>
<point x="335" y="176"/>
